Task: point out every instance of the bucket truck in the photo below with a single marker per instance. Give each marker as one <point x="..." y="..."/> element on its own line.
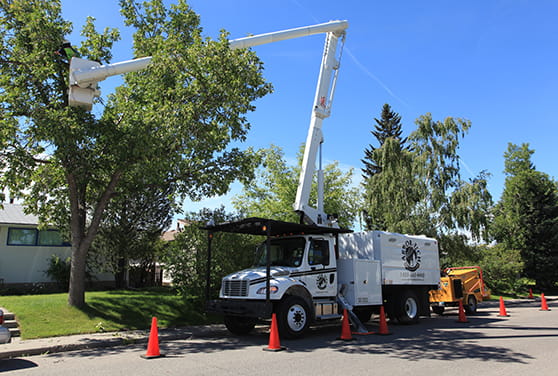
<point x="307" y="272"/>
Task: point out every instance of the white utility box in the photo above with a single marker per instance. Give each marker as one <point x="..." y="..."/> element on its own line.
<point x="362" y="279"/>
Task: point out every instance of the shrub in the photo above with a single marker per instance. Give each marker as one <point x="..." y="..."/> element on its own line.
<point x="59" y="271"/>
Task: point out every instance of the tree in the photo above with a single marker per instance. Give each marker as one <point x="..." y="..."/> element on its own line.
<point x="388" y="126"/>
<point x="419" y="189"/>
<point x="526" y="218"/>
<point x="272" y="193"/>
<point x="176" y="118"/>
<point x="185" y="257"/>
<point x="132" y="225"/>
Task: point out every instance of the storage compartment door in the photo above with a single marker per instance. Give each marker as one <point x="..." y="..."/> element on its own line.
<point x="363" y="281"/>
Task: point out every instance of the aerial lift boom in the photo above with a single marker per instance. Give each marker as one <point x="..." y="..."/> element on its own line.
<point x="85" y="74"/>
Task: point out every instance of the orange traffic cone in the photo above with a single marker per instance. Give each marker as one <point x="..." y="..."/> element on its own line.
<point x="153" y="344"/>
<point x="503" y="312"/>
<point x="383" y="330"/>
<point x="462" y="317"/>
<point x="544" y="306"/>
<point x="346" y="334"/>
<point x="274" y="343"/>
<point x="530" y="294"/>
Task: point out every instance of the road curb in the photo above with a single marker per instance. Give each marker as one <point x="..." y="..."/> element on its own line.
<point x="20" y="348"/>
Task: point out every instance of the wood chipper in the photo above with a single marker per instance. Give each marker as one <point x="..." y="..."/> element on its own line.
<point x="464" y="284"/>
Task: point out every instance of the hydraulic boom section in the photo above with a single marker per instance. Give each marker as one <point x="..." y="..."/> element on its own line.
<point x="85" y="74"/>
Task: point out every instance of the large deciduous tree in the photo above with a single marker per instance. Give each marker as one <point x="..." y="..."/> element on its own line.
<point x="526" y="218"/>
<point x="174" y="119"/>
<point x="419" y="189"/>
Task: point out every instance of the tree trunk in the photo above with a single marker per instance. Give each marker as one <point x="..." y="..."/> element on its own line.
<point x="120" y="279"/>
<point x="76" y="295"/>
<point x="83" y="236"/>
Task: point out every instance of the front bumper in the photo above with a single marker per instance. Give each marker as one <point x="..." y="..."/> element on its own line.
<point x="245" y="308"/>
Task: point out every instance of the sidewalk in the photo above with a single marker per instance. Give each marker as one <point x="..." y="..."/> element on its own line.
<point x="20" y="347"/>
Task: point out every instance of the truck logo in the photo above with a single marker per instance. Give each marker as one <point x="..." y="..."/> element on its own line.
<point x="411" y="255"/>
<point x="321" y="281"/>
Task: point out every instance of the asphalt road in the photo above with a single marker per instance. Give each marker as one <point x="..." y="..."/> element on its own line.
<point x="526" y="343"/>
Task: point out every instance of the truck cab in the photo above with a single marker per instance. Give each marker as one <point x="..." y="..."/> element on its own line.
<point x="294" y="275"/>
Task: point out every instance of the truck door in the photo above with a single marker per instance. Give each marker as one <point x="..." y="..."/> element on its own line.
<point x="321" y="278"/>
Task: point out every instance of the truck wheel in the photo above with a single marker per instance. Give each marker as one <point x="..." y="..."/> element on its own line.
<point x="471" y="306"/>
<point x="239" y="325"/>
<point x="439" y="310"/>
<point x="293" y="317"/>
<point x="408" y="308"/>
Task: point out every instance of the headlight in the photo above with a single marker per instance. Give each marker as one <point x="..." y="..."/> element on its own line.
<point x="272" y="290"/>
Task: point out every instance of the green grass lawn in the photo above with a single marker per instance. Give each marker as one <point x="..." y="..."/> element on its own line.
<point x="50" y="315"/>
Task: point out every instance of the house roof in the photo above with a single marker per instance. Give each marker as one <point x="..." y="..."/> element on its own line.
<point x="13" y="214"/>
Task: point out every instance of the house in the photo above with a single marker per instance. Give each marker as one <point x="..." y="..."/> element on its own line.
<point x="25" y="251"/>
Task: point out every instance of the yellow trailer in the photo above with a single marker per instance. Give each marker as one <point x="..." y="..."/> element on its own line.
<point x="464" y="284"/>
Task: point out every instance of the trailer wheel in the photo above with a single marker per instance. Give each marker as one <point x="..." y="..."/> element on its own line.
<point x="408" y="308"/>
<point x="239" y="325"/>
<point x="471" y="306"/>
<point x="293" y="317"/>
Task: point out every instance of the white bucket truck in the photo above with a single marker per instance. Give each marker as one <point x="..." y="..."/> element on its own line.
<point x="308" y="272"/>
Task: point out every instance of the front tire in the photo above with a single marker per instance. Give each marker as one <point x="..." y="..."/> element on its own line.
<point x="239" y="325"/>
<point x="293" y="317"/>
<point x="407" y="310"/>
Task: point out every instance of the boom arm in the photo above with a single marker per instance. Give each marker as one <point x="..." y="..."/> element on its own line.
<point x="325" y="90"/>
<point x="85" y="74"/>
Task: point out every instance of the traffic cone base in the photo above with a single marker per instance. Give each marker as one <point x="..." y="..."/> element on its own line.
<point x="544" y="305"/>
<point x="153" y="344"/>
<point x="346" y="334"/>
<point x="462" y="318"/>
<point x="503" y="312"/>
<point x="274" y="342"/>
<point x="383" y="330"/>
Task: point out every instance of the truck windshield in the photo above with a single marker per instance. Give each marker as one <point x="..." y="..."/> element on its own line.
<point x="284" y="252"/>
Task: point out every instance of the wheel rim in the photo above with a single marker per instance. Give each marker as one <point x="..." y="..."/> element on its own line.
<point x="411" y="308"/>
<point x="296" y="317"/>
<point x="472" y="303"/>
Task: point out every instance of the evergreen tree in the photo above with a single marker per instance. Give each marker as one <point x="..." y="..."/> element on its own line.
<point x="526" y="218"/>
<point x="388" y="126"/>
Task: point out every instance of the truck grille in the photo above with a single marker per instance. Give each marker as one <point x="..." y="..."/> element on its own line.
<point x="235" y="288"/>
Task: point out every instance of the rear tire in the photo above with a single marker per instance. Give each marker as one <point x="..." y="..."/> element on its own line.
<point x="407" y="309"/>
<point x="293" y="317"/>
<point x="239" y="325"/>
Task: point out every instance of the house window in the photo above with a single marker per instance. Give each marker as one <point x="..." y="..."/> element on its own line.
<point x="22" y="236"/>
<point x="33" y="237"/>
<point x="49" y="237"/>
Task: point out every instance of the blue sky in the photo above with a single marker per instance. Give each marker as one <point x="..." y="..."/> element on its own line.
<point x="492" y="62"/>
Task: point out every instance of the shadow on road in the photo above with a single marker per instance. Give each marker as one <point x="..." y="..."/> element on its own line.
<point x="15" y="364"/>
